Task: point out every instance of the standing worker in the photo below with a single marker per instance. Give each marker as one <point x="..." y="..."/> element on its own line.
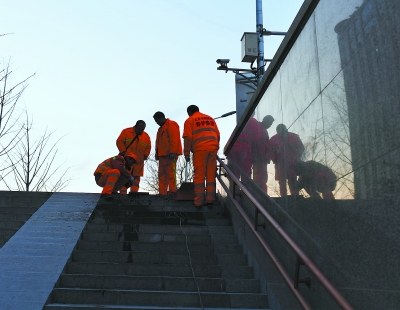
<point x="168" y="149"/>
<point x="250" y="153"/>
<point x="114" y="173"/>
<point x="137" y="141"/>
<point x="267" y="123"/>
<point x="201" y="137"/>
<point x="286" y="151"/>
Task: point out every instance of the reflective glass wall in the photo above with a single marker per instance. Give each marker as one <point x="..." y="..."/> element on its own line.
<point x="335" y="106"/>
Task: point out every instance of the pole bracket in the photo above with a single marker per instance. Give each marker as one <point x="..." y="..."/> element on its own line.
<point x="306" y="280"/>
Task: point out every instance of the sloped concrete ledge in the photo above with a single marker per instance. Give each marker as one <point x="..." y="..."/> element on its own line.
<point x="32" y="260"/>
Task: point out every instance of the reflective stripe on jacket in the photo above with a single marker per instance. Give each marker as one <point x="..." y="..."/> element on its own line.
<point x="200" y="134"/>
<point x="168" y="139"/>
<point x="140" y="147"/>
<point x="115" y="162"/>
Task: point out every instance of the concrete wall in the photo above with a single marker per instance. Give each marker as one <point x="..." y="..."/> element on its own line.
<point x="33" y="259"/>
<point x="16" y="208"/>
<point x="355" y="243"/>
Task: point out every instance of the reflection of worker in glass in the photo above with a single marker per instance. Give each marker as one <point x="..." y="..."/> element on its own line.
<point x="286" y="150"/>
<point x="251" y="151"/>
<point x="261" y="175"/>
<point x="315" y="177"/>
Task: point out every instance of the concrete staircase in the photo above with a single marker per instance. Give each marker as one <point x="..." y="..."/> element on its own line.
<point x="143" y="252"/>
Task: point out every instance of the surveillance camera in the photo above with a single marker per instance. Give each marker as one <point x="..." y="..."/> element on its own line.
<point x="223" y="62"/>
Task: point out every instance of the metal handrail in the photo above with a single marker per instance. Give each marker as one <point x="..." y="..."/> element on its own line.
<point x="337" y="296"/>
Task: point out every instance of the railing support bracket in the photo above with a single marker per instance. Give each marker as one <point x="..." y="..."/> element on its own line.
<point x="306" y="280"/>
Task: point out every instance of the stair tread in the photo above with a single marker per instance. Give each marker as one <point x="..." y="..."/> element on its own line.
<point x="117" y="307"/>
<point x="156" y="260"/>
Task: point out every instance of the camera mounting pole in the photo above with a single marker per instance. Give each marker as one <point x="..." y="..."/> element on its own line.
<point x="260" y="41"/>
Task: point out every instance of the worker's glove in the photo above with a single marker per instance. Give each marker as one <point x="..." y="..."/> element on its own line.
<point x="172" y="156"/>
<point x="129" y="183"/>
<point x="187" y="158"/>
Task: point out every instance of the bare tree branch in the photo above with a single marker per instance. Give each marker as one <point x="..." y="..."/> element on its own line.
<point x="150" y="181"/>
<point x="9" y="97"/>
<point x="32" y="163"/>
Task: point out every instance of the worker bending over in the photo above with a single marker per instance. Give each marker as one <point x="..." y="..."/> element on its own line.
<point x="315" y="177"/>
<point x="168" y="148"/>
<point x="114" y="173"/>
<point x="201" y="137"/>
<point x="137" y="141"/>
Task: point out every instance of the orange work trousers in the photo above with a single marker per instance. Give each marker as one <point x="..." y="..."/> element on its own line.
<point x="134" y="188"/>
<point x="111" y="181"/>
<point x="166" y="175"/>
<point x="205" y="166"/>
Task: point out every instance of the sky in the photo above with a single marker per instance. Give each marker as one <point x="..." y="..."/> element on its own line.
<point x="101" y="65"/>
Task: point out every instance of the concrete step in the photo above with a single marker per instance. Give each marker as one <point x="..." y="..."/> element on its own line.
<point x="167" y="270"/>
<point x="159" y="258"/>
<point x="159" y="299"/>
<point x="165" y="229"/>
<point x="167" y="247"/>
<point x="147" y="220"/>
<point x="159" y="206"/>
<point x="125" y="307"/>
<point x="144" y="237"/>
<point x="157" y="283"/>
<point x="118" y="215"/>
<point x="138" y="223"/>
<point x="148" y="228"/>
<point x="161" y="229"/>
<point x="218" y="222"/>
<point x="158" y="220"/>
<point x="146" y="253"/>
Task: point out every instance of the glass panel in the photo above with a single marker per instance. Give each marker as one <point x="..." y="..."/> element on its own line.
<point x="337" y="137"/>
<point x="327" y="38"/>
<point x="299" y="75"/>
<point x="337" y="93"/>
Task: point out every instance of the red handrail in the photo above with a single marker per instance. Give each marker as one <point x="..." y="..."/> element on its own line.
<point x="305" y="259"/>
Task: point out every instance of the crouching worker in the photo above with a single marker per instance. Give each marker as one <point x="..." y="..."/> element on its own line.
<point x="315" y="178"/>
<point x="114" y="173"/>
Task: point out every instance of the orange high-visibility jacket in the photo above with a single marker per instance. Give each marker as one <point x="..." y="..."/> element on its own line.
<point x="115" y="162"/>
<point x="200" y="133"/>
<point x="168" y="139"/>
<point x="140" y="147"/>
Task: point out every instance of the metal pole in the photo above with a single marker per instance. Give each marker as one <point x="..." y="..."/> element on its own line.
<point x="260" y="41"/>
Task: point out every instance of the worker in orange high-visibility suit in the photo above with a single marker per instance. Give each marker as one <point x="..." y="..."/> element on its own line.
<point x="201" y="136"/>
<point x="114" y="173"/>
<point x="168" y="148"/>
<point x="137" y="141"/>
